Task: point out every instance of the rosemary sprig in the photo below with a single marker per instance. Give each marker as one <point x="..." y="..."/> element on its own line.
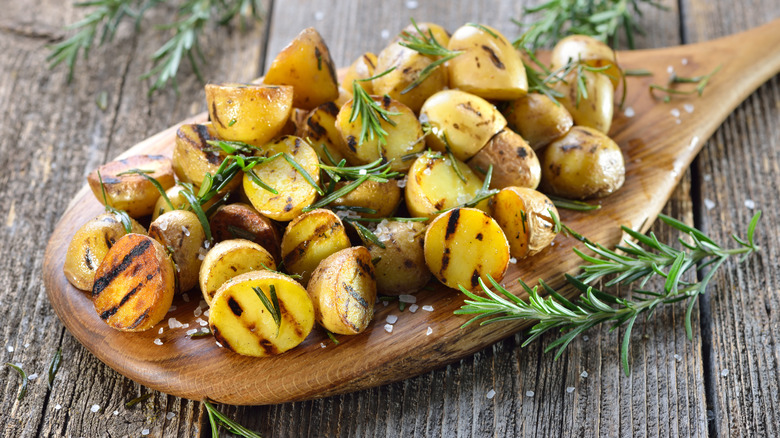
<point x="137" y="400"/>
<point x="595" y="307"/>
<point x="25" y="381"/>
<point x="271" y="304"/>
<point x="119" y="214"/>
<point x="157" y="185"/>
<point x="571" y="204"/>
<point x="370" y="112"/>
<point x="700" y="81"/>
<point x="54" y="366"/>
<point x="378" y="171"/>
<point x="426" y="44"/>
<point x="217" y="419"/>
<point x="483" y="193"/>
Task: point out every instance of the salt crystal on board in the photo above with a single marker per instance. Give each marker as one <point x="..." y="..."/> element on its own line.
<point x="159" y="332"/>
<point x="145" y="432"/>
<point x="10" y="349"/>
<point x="32" y="376"/>
<point x="709" y="203"/>
<point x="385" y="34"/>
<point x="158" y="341"/>
<point x="570" y="389"/>
<point x="389" y="328"/>
<point x="413" y="308"/>
<point x="412" y="4"/>
<point x="116" y="412"/>
<point x="688" y="107"/>
<point x="724" y="373"/>
<point x="677" y="357"/>
<point x="173" y="323"/>
<point x="629" y="112"/>
<point x="391" y="319"/>
<point x="684" y="61"/>
<point x="675" y="112"/>
<point x="490" y="394"/>
<point x="427" y="308"/>
<point x="185" y="297"/>
<point x="170" y="415"/>
<point x="584" y="375"/>
<point x="529" y="393"/>
<point x="749" y="203"/>
<point x="429" y="331"/>
<point x="57" y="406"/>
<point x="409" y="299"/>
<point x="95" y="408"/>
<point x="191" y="332"/>
<point x="319" y="15"/>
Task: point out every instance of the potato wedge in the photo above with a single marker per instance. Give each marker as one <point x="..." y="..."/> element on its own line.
<point x="524" y="215"/>
<point x="538" y="119"/>
<point x="250" y="113"/>
<point x="593" y="52"/>
<point x="362" y="68"/>
<point x="434" y="185"/>
<point x="514" y="162"/>
<point x="134" y="284"/>
<point x="130" y="192"/>
<point x="343" y="291"/>
<point x="193" y="157"/>
<point x="309" y="239"/>
<point x="464" y="245"/>
<point x="319" y="129"/>
<point x="229" y="259"/>
<point x="596" y="110"/>
<point x="90" y="245"/>
<point x="241" y="221"/>
<point x="240" y="321"/>
<point x="178" y="201"/>
<point x="306" y="65"/>
<point x="384" y="197"/>
<point x="294" y="193"/>
<point x="400" y="266"/>
<point x="181" y="233"/>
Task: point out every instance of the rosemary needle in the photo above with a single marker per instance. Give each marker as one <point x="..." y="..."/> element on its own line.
<point x="217" y="419"/>
<point x="137" y="400"/>
<point x="25" y="381"/>
<point x="54" y="366"/>
<point x="370" y="112"/>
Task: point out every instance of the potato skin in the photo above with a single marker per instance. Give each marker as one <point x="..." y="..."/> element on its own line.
<point x="538" y="119"/>
<point x="90" y="245"/>
<point x="319" y="129"/>
<point x="181" y="233"/>
<point x="193" y="157"/>
<point x="384" y="197"/>
<point x="524" y="215"/>
<point x="309" y="239"/>
<point x="596" y="111"/>
<point x="514" y="162"/>
<point x="593" y="52"/>
<point x="134" y="284"/>
<point x="228" y="259"/>
<point x="433" y="185"/>
<point x="362" y="68"/>
<point x="179" y="201"/>
<point x="400" y="266"/>
<point x="131" y="192"/>
<point x="234" y="221"/>
<point x="343" y="291"/>
<point x="250" y="113"/>
<point x="583" y="164"/>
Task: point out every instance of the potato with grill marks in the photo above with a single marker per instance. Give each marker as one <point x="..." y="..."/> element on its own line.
<point x="524" y="215"/>
<point x="400" y="266"/>
<point x="343" y="291"/>
<point x="181" y="233"/>
<point x="514" y="162"/>
<point x="178" y="201"/>
<point x="309" y="239"/>
<point x="464" y="245"/>
<point x="362" y="68"/>
<point x="241" y="321"/>
<point x="193" y="157"/>
<point x="538" y="119"/>
<point x="241" y="221"/>
<point x="229" y="259"/>
<point x="131" y="192"/>
<point x="319" y="129"/>
<point x="134" y="285"/>
<point x="434" y="185"/>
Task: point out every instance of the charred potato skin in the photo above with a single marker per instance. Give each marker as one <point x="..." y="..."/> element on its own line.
<point x="343" y="290"/>
<point x="583" y="164"/>
<point x="193" y="157"/>
<point x="90" y="245"/>
<point x="228" y="259"/>
<point x="242" y="221"/>
<point x="131" y="192"/>
<point x="514" y="162"/>
<point x="538" y="119"/>
<point x="134" y="284"/>
<point x="524" y="215"/>
<point x="181" y="233"/>
<point x="319" y="129"/>
<point x="309" y="239"/>
<point x="400" y="266"/>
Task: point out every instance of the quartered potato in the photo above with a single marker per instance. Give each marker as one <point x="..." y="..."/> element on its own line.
<point x="403" y="138"/>
<point x="343" y="291"/>
<point x="524" y="215"/>
<point x="434" y="185"/>
<point x="538" y="119"/>
<point x="585" y="48"/>
<point x="241" y="221"/>
<point x="90" y="245"/>
<point x="309" y="239"/>
<point x="249" y="113"/>
<point x="294" y="193"/>
<point x="363" y="68"/>
<point x="134" y="284"/>
<point x="583" y="164"/>
<point x="514" y="162"/>
<point x="178" y="201"/>
<point x="181" y="233"/>
<point x="489" y="66"/>
<point x="464" y="245"/>
<point x="462" y="121"/>
<point x="229" y="259"/>
<point x="306" y="65"/>
<point x="131" y="192"/>
<point x="384" y="197"/>
<point x="319" y="129"/>
<point x="240" y="321"/>
<point x="400" y="266"/>
<point x="595" y="110"/>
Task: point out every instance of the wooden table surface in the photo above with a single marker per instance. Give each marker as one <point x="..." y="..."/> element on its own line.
<point x="725" y="382"/>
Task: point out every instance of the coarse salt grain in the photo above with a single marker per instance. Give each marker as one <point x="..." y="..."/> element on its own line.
<point x="172" y="309"/>
<point x="191" y="332"/>
<point x="670" y="69"/>
<point x="391" y="319"/>
<point x="585" y="338"/>
<point x="319" y="15"/>
<point x="32" y="376"/>
<point x="206" y="312"/>
<point x="26" y="345"/>
<point x="629" y="112"/>
<point x="185" y="297"/>
<point x="707" y="177"/>
<point x="116" y="412"/>
<point x="185" y="230"/>
<point x="362" y="172"/>
<point x="749" y="203"/>
<point x="157" y="341"/>
<point x="145" y="432"/>
<point x="201" y="256"/>
<point x="205" y="330"/>
<point x="675" y="112"/>
<point x="512" y="260"/>
<point x="201" y="322"/>
<point x="584" y="375"/>
<point x="429" y="331"/>
<point x="684" y="61"/>
<point x="724" y="373"/>
<point x="173" y="323"/>
<point x="412" y="4"/>
<point x="413" y="308"/>
<point x="10" y="349"/>
<point x="18" y="364"/>
<point x="170" y="415"/>
<point x="57" y="407"/>
<point x="322" y="345"/>
<point x="389" y="328"/>
<point x="385" y="34"/>
<point x="529" y="393"/>
<point x="490" y="394"/>
<point x="206" y="244"/>
<point x="95" y="408"/>
<point x="570" y="389"/>
<point x="203" y="304"/>
<point x="159" y="332"/>
<point x="185" y="325"/>
<point x="401" y="182"/>
<point x="162" y="225"/>
<point x="677" y="357"/>
<point x="709" y="203"/>
<point x="409" y="299"/>
<point x="688" y="107"/>
<point x="385" y="303"/>
<point x="678" y="121"/>
<point x="218" y="344"/>
<point x="197" y="312"/>
<point x="427" y="308"/>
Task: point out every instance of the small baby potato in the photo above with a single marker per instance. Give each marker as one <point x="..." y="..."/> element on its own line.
<point x="229" y="259"/>
<point x="181" y="233"/>
<point x="489" y="66"/>
<point x="134" y="284"/>
<point x="524" y="215"/>
<point x="596" y="110"/>
<point x="583" y="164"/>
<point x="343" y="290"/>
<point x="514" y="162"/>
<point x="319" y="129"/>
<point x="405" y="138"/>
<point x="131" y="192"/>
<point x="241" y="221"/>
<point x="433" y="185"/>
<point x="462" y="121"/>
<point x="363" y="68"/>
<point x="400" y="266"/>
<point x="306" y="65"/>
<point x="294" y="193"/>
<point x="538" y="119"/>
<point x="384" y="197"/>
<point x="241" y="321"/>
<point x="464" y="245"/>
<point x="90" y="245"/>
<point x="193" y="157"/>
<point x="310" y="238"/>
<point x="593" y="52"/>
<point x="249" y="113"/>
<point x="178" y="201"/>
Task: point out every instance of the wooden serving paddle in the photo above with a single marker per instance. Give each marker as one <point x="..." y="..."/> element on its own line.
<point x="659" y="142"/>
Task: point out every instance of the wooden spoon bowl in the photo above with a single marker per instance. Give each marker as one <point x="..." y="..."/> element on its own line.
<point x="659" y="142"/>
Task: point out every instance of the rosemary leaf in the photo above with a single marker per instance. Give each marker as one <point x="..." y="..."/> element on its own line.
<point x="195" y="205"/>
<point x="25" y="381"/>
<point x="370" y="112"/>
<point x="54" y="366"/>
<point x="571" y="204"/>
<point x="137" y="400"/>
<point x="332" y="337"/>
<point x="272" y="305"/>
<point x="217" y="419"/>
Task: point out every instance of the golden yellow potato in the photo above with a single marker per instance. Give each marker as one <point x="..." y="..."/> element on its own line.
<point x="193" y="157"/>
<point x="90" y="245"/>
<point x="181" y="233"/>
<point x="131" y="192"/>
<point x="343" y="291"/>
<point x="362" y="68"/>
<point x="228" y="259"/>
<point x="241" y="221"/>
<point x="400" y="266"/>
<point x="309" y="239"/>
<point x="134" y="284"/>
<point x="466" y="121"/>
<point x="249" y="113"/>
<point x="464" y="245"/>
<point x="384" y="197"/>
<point x="241" y="321"/>
<point x="538" y="119"/>
<point x="319" y="129"/>
<point x="595" y="110"/>
<point x="489" y="66"/>
<point x="524" y="215"/>
<point x="593" y="52"/>
<point x="514" y="162"/>
<point x="178" y="201"/>
<point x="583" y="164"/>
<point x="434" y="185"/>
<point x="306" y="65"/>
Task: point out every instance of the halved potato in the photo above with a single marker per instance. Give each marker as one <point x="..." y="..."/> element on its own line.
<point x="240" y="321"/>
<point x="319" y="129"/>
<point x="131" y="192"/>
<point x="241" y="221"/>
<point x="229" y="259"/>
<point x="384" y="197"/>
<point x="134" y="284"/>
<point x="514" y="162"/>
<point x="193" y="157"/>
<point x="538" y="119"/>
<point x="309" y="239"/>
<point x="181" y="233"/>
<point x="588" y="49"/>
<point x="362" y="68"/>
<point x="464" y="245"/>
<point x="249" y="113"/>
<point x="594" y="111"/>
<point x="524" y="215"/>
<point x="178" y="201"/>
<point x="400" y="266"/>
<point x="434" y="185"/>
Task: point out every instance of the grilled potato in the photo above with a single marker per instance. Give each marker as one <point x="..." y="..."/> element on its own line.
<point x="131" y="192"/>
<point x="362" y="68"/>
<point x="384" y="197"/>
<point x="343" y="291"/>
<point x="400" y="266"/>
<point x="241" y="221"/>
<point x="524" y="215"/>
<point x="433" y="185"/>
<point x="193" y="157"/>
<point x="181" y="233"/>
<point x="240" y="321"/>
<point x="310" y="238"/>
<point x="514" y="162"/>
<point x="178" y="201"/>
<point x="596" y="110"/>
<point x="319" y="129"/>
<point x="464" y="245"/>
<point x="538" y="119"/>
<point x="90" y="245"/>
<point x="134" y="284"/>
<point x="229" y="259"/>
<point x="593" y="52"/>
